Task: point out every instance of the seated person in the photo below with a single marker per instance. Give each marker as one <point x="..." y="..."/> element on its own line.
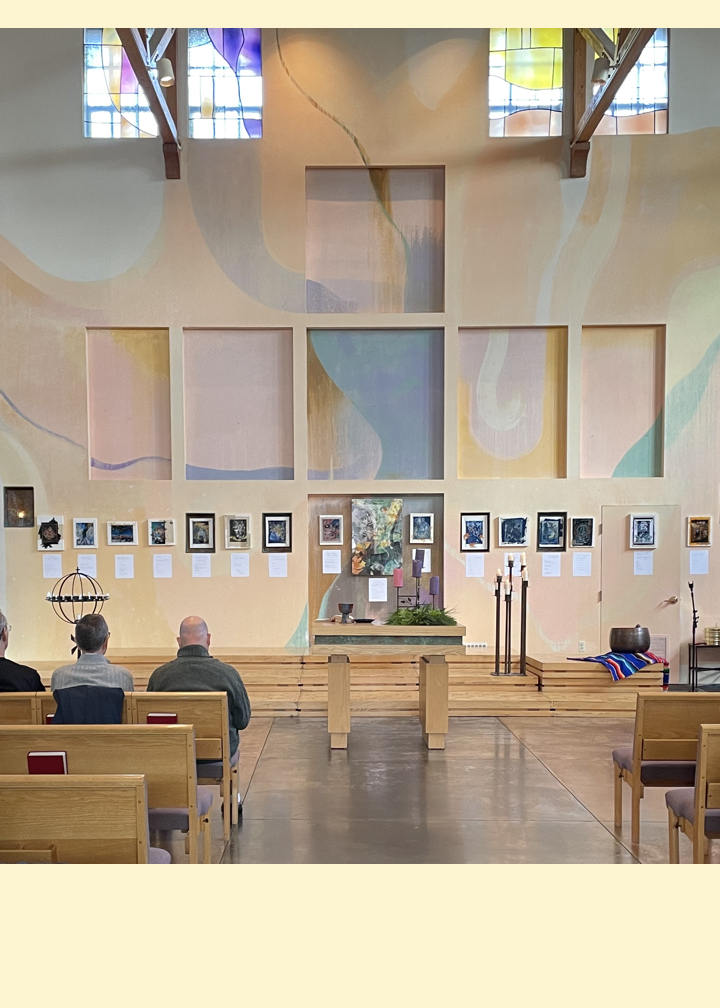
<point x="195" y="671"/>
<point x="92" y="667"/>
<point x="15" y="678"/>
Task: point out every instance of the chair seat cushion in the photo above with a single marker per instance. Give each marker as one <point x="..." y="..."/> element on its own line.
<point x="682" y="802"/>
<point x="178" y="818"/>
<point x="213" y="769"/>
<point x="156" y="855"/>
<point x="658" y="773"/>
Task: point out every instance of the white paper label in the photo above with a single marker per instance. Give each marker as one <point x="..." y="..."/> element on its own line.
<point x="643" y="562"/>
<point x="582" y="564"/>
<point x="551" y="565"/>
<point x="277" y="564"/>
<point x="699" y="561"/>
<point x="87" y="564"/>
<point x="52" y="566"/>
<point x="162" y="565"/>
<point x="202" y="565"/>
<point x="474" y="565"/>
<point x="331" y="561"/>
<point x="426" y="559"/>
<point x="124" y="565"/>
<point x="239" y="565"/>
<point x="377" y="589"/>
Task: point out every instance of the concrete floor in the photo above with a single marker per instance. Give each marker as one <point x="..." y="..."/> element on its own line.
<point x="511" y="790"/>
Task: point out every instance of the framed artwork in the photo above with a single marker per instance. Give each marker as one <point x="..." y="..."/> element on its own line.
<point x="85" y="533"/>
<point x="643" y="531"/>
<point x="51" y="537"/>
<point x="514" y="531"/>
<point x="422" y="528"/>
<point x="277" y="533"/>
<point x="122" y="533"/>
<point x="582" y="532"/>
<point x="331" y="530"/>
<point x="161" y="532"/>
<point x="19" y="507"/>
<point x="377" y="536"/>
<point x="552" y="531"/>
<point x="699" y="530"/>
<point x="237" y="531"/>
<point x="199" y="533"/>
<point x="475" y="532"/>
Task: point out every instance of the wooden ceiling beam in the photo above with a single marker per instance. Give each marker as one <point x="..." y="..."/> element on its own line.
<point x="134" y="42"/>
<point x="600" y="41"/>
<point x="159" y="42"/>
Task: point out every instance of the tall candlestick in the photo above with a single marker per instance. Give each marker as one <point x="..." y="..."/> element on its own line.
<point x="498" y="618"/>
<point x="508" y="627"/>
<point x="523" y="625"/>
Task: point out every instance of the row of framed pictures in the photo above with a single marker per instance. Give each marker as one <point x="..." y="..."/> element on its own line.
<point x="422" y="529"/>
<point x="199" y="533"/>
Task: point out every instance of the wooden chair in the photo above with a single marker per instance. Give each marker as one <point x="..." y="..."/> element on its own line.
<point x="664" y="747"/>
<point x="46" y="705"/>
<point x="208" y="713"/>
<point x="165" y="754"/>
<point x="78" y="819"/>
<point x="696" y="811"/>
<point x="19" y="708"/>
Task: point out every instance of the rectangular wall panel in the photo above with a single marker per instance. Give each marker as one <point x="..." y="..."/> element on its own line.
<point x="512" y="403"/>
<point x="623" y="382"/>
<point x="238" y="404"/>
<point x="129" y="404"/>
<point x="375" y="239"/>
<point x="375" y="403"/>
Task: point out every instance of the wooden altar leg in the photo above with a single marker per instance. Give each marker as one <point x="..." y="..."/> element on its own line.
<point x="434" y="700"/>
<point x="338" y="700"/>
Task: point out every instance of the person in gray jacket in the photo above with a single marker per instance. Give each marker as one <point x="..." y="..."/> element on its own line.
<point x="194" y="670"/>
<point x="92" y="667"/>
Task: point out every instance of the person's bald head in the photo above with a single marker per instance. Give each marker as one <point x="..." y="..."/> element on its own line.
<point x="193" y="630"/>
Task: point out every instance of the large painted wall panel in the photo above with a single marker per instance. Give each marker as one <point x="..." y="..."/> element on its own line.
<point x="623" y="382"/>
<point x="129" y="404"/>
<point x="375" y="404"/>
<point x="512" y="396"/>
<point x="238" y="404"/>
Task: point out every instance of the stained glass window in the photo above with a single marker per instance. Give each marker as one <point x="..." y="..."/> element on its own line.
<point x="225" y="93"/>
<point x="641" y="104"/>
<point x="525" y="86"/>
<point x="115" y="104"/>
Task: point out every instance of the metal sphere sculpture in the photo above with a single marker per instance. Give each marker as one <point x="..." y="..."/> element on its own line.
<point x="76" y="595"/>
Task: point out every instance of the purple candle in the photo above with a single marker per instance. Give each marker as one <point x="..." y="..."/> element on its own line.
<point x="417" y="568"/>
<point x="397" y="577"/>
<point x="435" y="585"/>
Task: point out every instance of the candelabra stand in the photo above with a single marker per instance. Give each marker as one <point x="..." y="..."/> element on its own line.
<point x="508" y="618"/>
<point x="523" y="621"/>
<point x="498" y="618"/>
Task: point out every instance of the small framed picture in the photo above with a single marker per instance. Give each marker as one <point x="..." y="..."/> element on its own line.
<point x="199" y="533"/>
<point x="552" y="531"/>
<point x="643" y="531"/>
<point x="699" y="531"/>
<point x="122" y="533"/>
<point x="514" y="531"/>
<point x="277" y="533"/>
<point x="161" y="532"/>
<point x="422" y="528"/>
<point x="51" y="533"/>
<point x="85" y="534"/>
<point x="475" y="532"/>
<point x="237" y="531"/>
<point x="582" y="532"/>
<point x="19" y="507"/>
<point x="331" y="530"/>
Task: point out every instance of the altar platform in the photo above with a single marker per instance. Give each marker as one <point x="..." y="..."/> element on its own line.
<point x="292" y="682"/>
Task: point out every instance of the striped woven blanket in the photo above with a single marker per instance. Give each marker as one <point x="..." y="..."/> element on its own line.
<point x="620" y="665"/>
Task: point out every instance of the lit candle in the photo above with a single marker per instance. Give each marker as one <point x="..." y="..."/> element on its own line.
<point x="435" y="585"/>
<point x="499" y="573"/>
<point x="397" y="577"/>
<point x="525" y="574"/>
<point x="522" y="559"/>
<point x="508" y="587"/>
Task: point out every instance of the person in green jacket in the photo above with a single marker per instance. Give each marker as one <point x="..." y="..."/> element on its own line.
<point x="194" y="670"/>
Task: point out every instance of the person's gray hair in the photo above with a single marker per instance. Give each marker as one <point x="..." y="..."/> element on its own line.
<point x="3" y="622"/>
<point x="91" y="632"/>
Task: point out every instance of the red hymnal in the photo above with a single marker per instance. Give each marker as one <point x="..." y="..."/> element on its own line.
<point x="161" y="719"/>
<point x="47" y="762"/>
<point x="49" y="718"/>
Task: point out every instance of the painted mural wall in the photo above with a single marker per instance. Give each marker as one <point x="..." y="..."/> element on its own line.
<point x="478" y="386"/>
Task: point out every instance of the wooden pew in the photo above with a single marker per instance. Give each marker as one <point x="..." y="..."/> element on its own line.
<point x="19" y="708"/>
<point x="666" y="730"/>
<point x="696" y="811"/>
<point x="165" y="754"/>
<point x="208" y="713"/>
<point x="88" y="819"/>
<point x="46" y="705"/>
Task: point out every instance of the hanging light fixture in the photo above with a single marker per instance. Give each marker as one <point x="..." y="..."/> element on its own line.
<point x="165" y="72"/>
<point x="601" y="70"/>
